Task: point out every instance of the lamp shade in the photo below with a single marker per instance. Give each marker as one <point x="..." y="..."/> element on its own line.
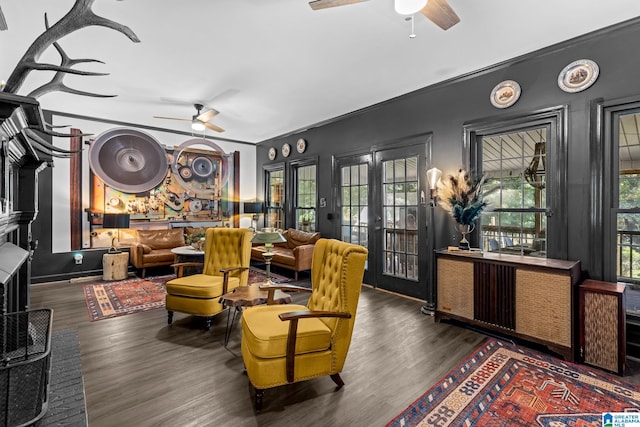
<point x="409" y="7"/>
<point x="268" y="235"/>
<point x="253" y="207"/>
<point x="110" y="220"/>
<point x="433" y="176"/>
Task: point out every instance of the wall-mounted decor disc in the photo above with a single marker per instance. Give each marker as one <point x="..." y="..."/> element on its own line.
<point x="128" y="160"/>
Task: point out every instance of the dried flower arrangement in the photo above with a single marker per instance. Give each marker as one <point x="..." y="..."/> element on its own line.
<point x="461" y="196"/>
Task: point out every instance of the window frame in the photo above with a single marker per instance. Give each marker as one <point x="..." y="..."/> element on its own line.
<point x="556" y="165"/>
<point x="605" y="207"/>
<point x="295" y="166"/>
<point x="267" y="171"/>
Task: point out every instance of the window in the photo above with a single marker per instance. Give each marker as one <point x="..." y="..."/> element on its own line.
<point x="354" y="190"/>
<point x="627" y="205"/>
<point x="275" y="198"/>
<point x="514" y="165"/>
<point x="306" y="196"/>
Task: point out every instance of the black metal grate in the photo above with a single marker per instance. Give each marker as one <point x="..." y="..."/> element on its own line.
<point x="24" y="366"/>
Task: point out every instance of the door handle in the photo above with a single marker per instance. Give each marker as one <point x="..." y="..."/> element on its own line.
<point x="378" y="221"/>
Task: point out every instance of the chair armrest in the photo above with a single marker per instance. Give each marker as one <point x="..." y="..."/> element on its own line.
<point x="225" y="276"/>
<point x="293" y="317"/>
<point x="307" y="314"/>
<point x="303" y="255"/>
<point x="179" y="267"/>
<point x="271" y="290"/>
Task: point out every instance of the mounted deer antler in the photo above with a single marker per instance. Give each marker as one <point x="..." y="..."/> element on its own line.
<point x="81" y="15"/>
<point x="56" y="83"/>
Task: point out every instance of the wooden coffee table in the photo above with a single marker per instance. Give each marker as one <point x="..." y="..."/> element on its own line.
<point x="248" y="296"/>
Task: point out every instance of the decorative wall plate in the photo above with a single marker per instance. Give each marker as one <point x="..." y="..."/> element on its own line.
<point x="286" y="150"/>
<point x="578" y="75"/>
<point x="301" y="145"/>
<point x="505" y="94"/>
<point x="272" y="153"/>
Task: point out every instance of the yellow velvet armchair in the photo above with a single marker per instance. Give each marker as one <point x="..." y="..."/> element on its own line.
<point x="289" y="343"/>
<point x="227" y="254"/>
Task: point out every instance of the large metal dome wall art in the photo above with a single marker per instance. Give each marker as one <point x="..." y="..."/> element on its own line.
<point x="128" y="160"/>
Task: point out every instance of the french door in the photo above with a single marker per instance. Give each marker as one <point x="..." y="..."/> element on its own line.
<point x="399" y="219"/>
<point x="382" y="207"/>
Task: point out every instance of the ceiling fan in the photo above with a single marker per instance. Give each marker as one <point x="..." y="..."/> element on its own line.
<point x="199" y="121"/>
<point x="438" y="11"/>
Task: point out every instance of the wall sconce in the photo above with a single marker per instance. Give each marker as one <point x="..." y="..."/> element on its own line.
<point x="255" y="208"/>
<point x="433" y="177"/>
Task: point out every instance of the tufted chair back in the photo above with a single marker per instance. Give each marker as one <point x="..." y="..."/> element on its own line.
<point x="227" y="247"/>
<point x="336" y="277"/>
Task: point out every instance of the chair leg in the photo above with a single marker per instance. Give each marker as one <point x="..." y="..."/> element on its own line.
<point x="208" y="323"/>
<point x="169" y="317"/>
<point x="143" y="272"/>
<point x="259" y="399"/>
<point x="295" y="276"/>
<point x="336" y="379"/>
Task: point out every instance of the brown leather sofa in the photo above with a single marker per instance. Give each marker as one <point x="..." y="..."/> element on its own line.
<point x="153" y="248"/>
<point x="294" y="254"/>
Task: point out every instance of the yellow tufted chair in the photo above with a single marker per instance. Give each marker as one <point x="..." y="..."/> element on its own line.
<point x="289" y="343"/>
<point x="227" y="254"/>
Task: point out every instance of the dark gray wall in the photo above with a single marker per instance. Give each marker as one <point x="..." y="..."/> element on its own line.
<point x="443" y="110"/>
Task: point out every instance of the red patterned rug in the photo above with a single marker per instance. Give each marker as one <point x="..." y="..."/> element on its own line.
<point x="113" y="299"/>
<point x="505" y="385"/>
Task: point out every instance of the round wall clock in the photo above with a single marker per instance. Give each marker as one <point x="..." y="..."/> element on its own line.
<point x="286" y="150"/>
<point x="301" y="145"/>
<point x="272" y="153"/>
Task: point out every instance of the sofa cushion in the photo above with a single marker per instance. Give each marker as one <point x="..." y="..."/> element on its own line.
<point x="162" y="239"/>
<point x="297" y="238"/>
<point x="159" y="255"/>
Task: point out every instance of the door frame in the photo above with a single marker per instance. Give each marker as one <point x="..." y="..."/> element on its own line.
<point x="426" y="260"/>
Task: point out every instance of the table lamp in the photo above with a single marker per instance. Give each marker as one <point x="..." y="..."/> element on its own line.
<point x="268" y="236"/>
<point x="110" y="220"/>
<point x="254" y="208"/>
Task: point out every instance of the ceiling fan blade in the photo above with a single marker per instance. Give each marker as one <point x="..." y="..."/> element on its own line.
<point x="214" y="127"/>
<point x="440" y="13"/>
<point x="3" y="22"/>
<point x="172" y="118"/>
<point x="207" y="115"/>
<point x="324" y="4"/>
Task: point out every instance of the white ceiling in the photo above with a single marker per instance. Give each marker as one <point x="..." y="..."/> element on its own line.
<point x="273" y="67"/>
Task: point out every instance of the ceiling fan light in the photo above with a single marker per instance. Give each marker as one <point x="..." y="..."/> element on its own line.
<point x="197" y="125"/>
<point x="409" y="7"/>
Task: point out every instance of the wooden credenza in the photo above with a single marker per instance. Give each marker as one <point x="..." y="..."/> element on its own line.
<point x="525" y="297"/>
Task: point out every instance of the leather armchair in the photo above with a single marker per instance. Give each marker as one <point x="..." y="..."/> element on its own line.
<point x="227" y="255"/>
<point x="289" y="343"/>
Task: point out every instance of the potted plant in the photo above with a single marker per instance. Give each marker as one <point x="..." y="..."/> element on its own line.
<point x="305" y="222"/>
<point x="196" y="240"/>
<point x="461" y="196"/>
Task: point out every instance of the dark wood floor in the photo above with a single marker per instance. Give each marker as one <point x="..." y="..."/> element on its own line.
<point x="138" y="371"/>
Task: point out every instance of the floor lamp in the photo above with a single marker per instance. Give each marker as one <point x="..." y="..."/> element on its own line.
<point x="268" y="236"/>
<point x="433" y="177"/>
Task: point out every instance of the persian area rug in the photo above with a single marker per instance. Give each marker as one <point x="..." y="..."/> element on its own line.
<point x="505" y="385"/>
<point x="106" y="300"/>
